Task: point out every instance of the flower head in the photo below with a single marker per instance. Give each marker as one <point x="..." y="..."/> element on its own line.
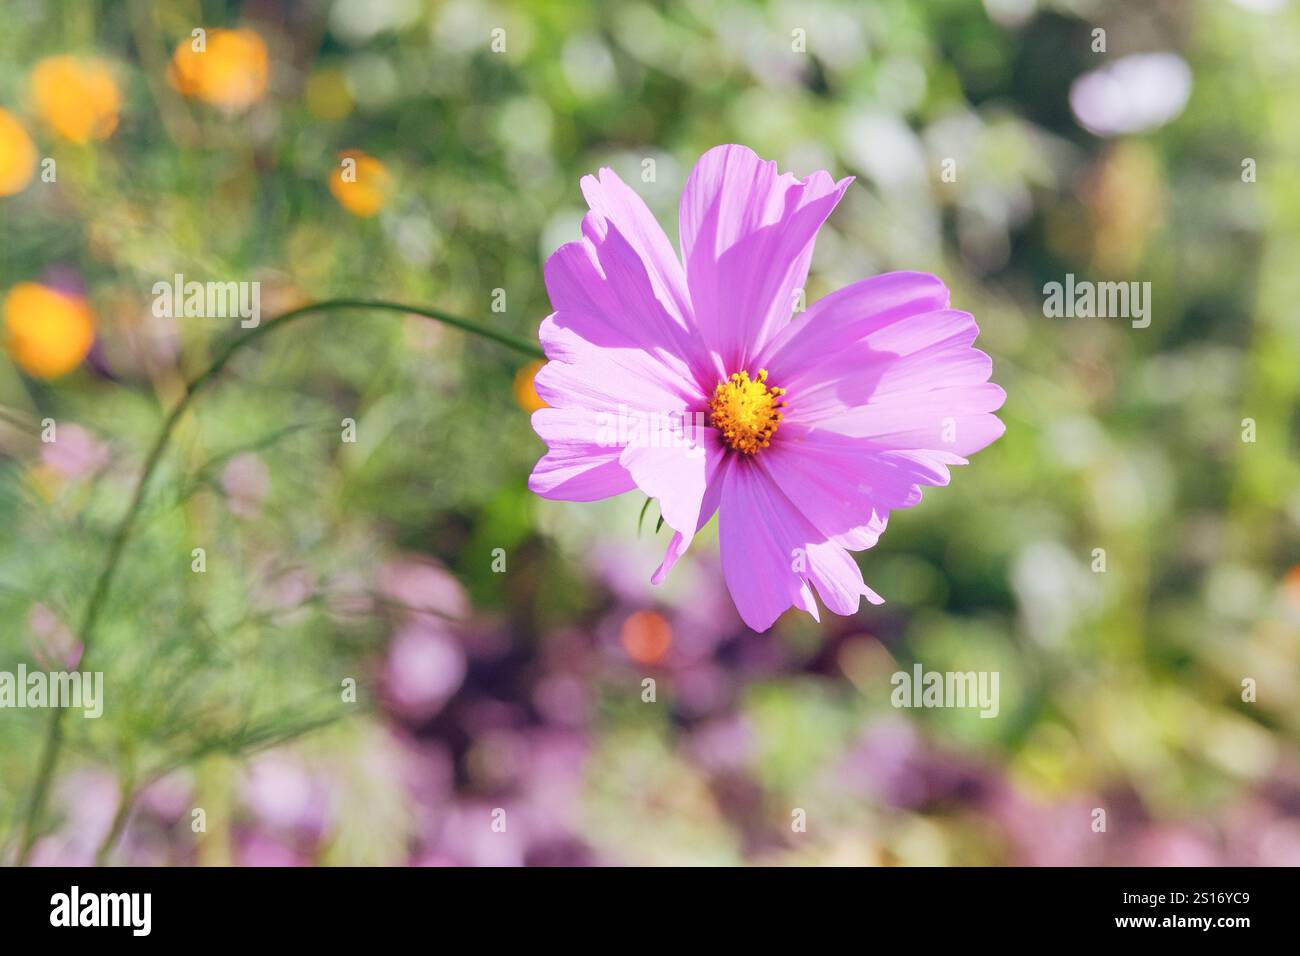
<point x="17" y="155"/>
<point x="76" y="454"/>
<point x="246" y="481"/>
<point x="78" y="99"/>
<point x="525" y="391"/>
<point x="48" y="331"/>
<point x="227" y="69"/>
<point x="360" y="183"/>
<point x="646" y="636"/>
<point x="801" y="432"/>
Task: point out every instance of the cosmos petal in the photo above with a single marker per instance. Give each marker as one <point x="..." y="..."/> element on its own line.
<point x="611" y="378"/>
<point x="578" y="465"/>
<point x="608" y="196"/>
<point x="844" y="317"/>
<point x="747" y="237"/>
<point x="600" y="289"/>
<point x="771" y="553"/>
<point x="865" y="362"/>
<point x="684" y="480"/>
<point x="846" y="487"/>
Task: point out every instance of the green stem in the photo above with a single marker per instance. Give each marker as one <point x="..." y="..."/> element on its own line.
<point x="54" y="735"/>
<point x="126" y="796"/>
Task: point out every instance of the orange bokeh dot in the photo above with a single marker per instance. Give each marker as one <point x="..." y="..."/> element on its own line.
<point x="360" y="183"/>
<point x="1291" y="586"/>
<point x="48" y="332"/>
<point x="17" y="155"/>
<point x="226" y="68"/>
<point x="646" y="637"/>
<point x="78" y="99"/>
<point x="525" y="389"/>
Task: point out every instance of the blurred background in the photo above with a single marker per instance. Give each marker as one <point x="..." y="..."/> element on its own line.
<point x="499" y="714"/>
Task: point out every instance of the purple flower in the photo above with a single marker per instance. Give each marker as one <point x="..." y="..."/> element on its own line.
<point x="421" y="586"/>
<point x="53" y="646"/>
<point x="246" y="481"/>
<point x="1133" y="94"/>
<point x="689" y="380"/>
<point x="424" y="668"/>
<point x="76" y="453"/>
<point x="90" y="798"/>
<point x="286" y="797"/>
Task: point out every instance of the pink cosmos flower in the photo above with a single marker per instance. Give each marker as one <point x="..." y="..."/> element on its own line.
<point x="802" y="432"/>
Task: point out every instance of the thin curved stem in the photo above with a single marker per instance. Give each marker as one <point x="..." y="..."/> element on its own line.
<point x="53" y="744"/>
<point x="126" y="797"/>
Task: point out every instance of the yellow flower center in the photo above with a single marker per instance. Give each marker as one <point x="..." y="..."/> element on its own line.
<point x="746" y="411"/>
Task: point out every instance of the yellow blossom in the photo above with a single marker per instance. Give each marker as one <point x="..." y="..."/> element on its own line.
<point x="360" y="183"/>
<point x="525" y="391"/>
<point x="48" y="332"/>
<point x="17" y="155"/>
<point x="229" y="71"/>
<point x="78" y="99"/>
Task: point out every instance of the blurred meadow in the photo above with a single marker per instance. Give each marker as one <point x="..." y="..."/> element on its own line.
<point x="1126" y="557"/>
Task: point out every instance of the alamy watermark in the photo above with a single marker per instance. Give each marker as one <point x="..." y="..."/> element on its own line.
<point x="133" y="911"/>
<point x="1098" y="300"/>
<point x="208" y="300"/>
<point x="41" y="689"/>
<point x="957" y="689"/>
<point x="630" y="428"/>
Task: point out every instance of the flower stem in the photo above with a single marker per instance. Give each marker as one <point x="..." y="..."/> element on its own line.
<point x="54" y="736"/>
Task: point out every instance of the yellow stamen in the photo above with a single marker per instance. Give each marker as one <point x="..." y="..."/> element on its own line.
<point x="746" y="411"/>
